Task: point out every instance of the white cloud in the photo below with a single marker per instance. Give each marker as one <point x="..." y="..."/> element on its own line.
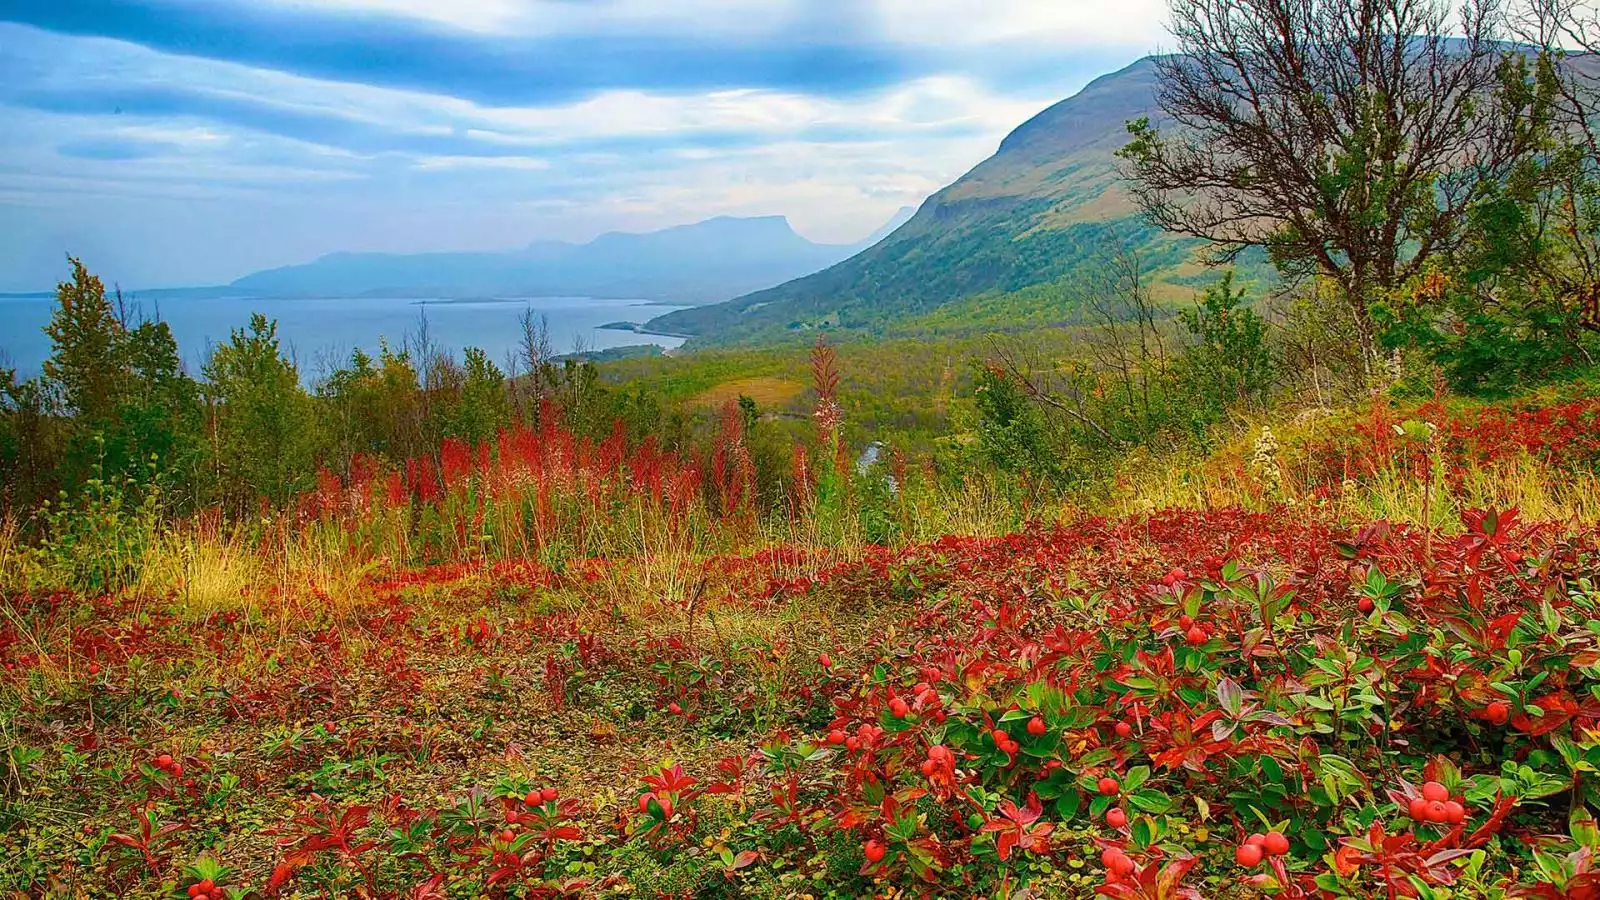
<point x="1064" y="23"/>
<point x="731" y="17"/>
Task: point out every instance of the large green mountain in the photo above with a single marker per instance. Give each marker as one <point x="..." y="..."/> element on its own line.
<point x="1047" y="205"/>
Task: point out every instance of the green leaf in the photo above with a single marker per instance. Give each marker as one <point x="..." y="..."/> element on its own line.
<point x="1143" y="832"/>
<point x="1151" y="801"/>
<point x="1135" y="778"/>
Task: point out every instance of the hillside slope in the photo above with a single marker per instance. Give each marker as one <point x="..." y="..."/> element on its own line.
<point x="700" y="263"/>
<point x="1046" y="203"/>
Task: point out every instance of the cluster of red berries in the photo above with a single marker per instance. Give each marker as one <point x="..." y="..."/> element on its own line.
<point x="939" y="759"/>
<point x="534" y="798"/>
<point x="1257" y="846"/>
<point x="205" y="889"/>
<point x="1174" y="576"/>
<point x="926" y="701"/>
<point x="864" y="738"/>
<point x="167" y="764"/>
<point x="1435" y="805"/>
<point x="1118" y="864"/>
<point x="1005" y="742"/>
<point x="1193" y="631"/>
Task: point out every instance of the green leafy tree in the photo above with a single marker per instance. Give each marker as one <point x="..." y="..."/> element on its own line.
<point x="265" y="425"/>
<point x="373" y="407"/>
<point x="1012" y="431"/>
<point x="1520" y="300"/>
<point x="483" y="406"/>
<point x="130" y="412"/>
<point x="1230" y="363"/>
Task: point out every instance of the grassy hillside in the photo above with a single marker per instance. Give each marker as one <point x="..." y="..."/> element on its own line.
<point x="1047" y="205"/>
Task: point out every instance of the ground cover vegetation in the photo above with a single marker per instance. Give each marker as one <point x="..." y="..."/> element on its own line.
<point x="1290" y="588"/>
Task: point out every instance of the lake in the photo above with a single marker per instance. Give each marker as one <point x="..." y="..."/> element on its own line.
<point x="313" y="329"/>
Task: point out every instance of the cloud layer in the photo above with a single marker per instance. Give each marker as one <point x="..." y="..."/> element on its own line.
<point x="190" y="141"/>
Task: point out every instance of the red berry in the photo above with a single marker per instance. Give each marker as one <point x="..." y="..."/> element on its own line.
<point x="1185" y="622"/>
<point x="1121" y="864"/>
<point x="508" y="836"/>
<point x="939" y="752"/>
<point x="207" y="885"/>
<point x="836" y="737"/>
<point x="164" y="760"/>
<point x="899" y="708"/>
<point x="1248" y="855"/>
<point x="1196" y="635"/>
<point x="1124" y="730"/>
<point x="1108" y="786"/>
<point x="1366" y="605"/>
<point x="1110" y="854"/>
<point x="1418" y="809"/>
<point x="1256" y="839"/>
<point x="176" y="770"/>
<point x="1036" y="726"/>
<point x="825" y="659"/>
<point x="1498" y="712"/>
<point x="1454" y="813"/>
<point x="874" y="851"/>
<point x="852" y="744"/>
<point x="1116" y="818"/>
<point x="928" y="767"/>
<point x="194" y="890"/>
<point x="330" y="726"/>
<point x="1433" y="791"/>
<point x="94" y="668"/>
<point x="1275" y="843"/>
<point x="549" y="794"/>
<point x="1437" y="811"/>
<point x="675" y="708"/>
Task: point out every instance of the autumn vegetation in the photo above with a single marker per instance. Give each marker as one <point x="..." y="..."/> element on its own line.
<point x="1291" y="589"/>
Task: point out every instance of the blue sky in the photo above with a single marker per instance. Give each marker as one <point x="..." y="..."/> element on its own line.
<point x="177" y="142"/>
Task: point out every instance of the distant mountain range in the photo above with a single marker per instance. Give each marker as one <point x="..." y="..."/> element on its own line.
<point x="1047" y="204"/>
<point x="701" y="263"/>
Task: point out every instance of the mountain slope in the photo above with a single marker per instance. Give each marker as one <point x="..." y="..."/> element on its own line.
<point x="705" y="262"/>
<point x="1043" y="206"/>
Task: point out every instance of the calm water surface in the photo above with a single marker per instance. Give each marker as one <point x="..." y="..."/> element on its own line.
<point x="316" y="331"/>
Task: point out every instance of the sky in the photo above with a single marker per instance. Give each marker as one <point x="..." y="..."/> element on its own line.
<point x="189" y="142"/>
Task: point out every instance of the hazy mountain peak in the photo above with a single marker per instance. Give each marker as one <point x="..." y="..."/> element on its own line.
<point x="703" y="261"/>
